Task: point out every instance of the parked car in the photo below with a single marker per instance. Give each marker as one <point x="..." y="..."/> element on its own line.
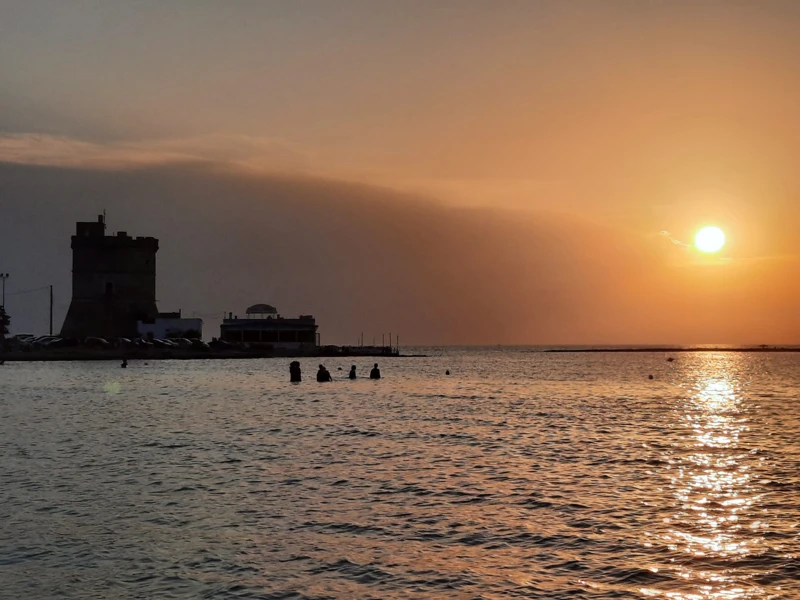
<point x="221" y="344"/>
<point x="43" y="341"/>
<point x="158" y="343"/>
<point x="20" y="342"/>
<point x="96" y="342"/>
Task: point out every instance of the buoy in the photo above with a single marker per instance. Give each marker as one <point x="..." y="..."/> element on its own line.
<point x="650" y="377"/>
<point x="447" y="372"/>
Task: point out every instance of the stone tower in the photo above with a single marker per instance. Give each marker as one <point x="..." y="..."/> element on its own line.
<point x="113" y="282"/>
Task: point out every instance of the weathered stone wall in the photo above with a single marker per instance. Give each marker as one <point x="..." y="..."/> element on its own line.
<point x="113" y="284"/>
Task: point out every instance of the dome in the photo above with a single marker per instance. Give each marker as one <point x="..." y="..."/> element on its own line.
<point x="262" y="309"/>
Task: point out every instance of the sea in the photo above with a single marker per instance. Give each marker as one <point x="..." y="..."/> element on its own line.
<point x="521" y="474"/>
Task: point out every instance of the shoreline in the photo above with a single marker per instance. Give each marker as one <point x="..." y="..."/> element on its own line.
<point x="118" y="354"/>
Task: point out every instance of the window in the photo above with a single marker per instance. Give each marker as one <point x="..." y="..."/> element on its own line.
<point x="288" y="336"/>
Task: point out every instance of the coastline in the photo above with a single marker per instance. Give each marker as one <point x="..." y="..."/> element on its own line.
<point x="118" y="354"/>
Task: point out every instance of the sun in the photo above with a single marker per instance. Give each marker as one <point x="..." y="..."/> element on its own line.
<point x="710" y="239"/>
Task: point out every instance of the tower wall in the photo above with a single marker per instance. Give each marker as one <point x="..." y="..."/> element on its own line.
<point x="113" y="283"/>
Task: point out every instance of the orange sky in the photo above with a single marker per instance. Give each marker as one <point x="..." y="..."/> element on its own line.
<point x="611" y="130"/>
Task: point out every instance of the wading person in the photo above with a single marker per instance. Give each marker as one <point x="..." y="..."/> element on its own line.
<point x="323" y="375"/>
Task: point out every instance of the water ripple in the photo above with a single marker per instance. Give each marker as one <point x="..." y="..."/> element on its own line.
<point x="523" y="475"/>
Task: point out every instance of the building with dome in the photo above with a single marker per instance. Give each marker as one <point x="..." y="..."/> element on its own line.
<point x="263" y="325"/>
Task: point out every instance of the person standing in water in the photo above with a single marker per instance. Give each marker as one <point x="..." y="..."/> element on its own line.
<point x="295" y="375"/>
<point x="323" y="375"/>
<point x="375" y="373"/>
<point x="353" y="372"/>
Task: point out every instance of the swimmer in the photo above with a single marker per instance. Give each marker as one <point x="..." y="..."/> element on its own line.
<point x="375" y="373"/>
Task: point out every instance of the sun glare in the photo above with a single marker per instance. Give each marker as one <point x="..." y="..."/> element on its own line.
<point x="710" y="239"/>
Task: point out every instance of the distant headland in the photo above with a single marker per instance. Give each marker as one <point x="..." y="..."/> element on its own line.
<point x="672" y="349"/>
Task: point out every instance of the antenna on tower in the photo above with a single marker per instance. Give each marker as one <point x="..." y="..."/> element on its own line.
<point x="104" y="219"/>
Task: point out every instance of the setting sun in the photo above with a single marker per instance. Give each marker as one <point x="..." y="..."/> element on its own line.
<point x="710" y="239"/>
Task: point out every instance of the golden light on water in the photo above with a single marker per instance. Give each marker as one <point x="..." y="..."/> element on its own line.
<point x="714" y="497"/>
<point x="709" y="239"/>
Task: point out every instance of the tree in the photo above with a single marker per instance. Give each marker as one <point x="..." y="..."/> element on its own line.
<point x="5" y="321"/>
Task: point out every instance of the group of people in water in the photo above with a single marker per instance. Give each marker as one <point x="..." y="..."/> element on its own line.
<point x="323" y="375"/>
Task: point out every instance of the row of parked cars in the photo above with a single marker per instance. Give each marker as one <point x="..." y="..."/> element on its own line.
<point x="30" y="342"/>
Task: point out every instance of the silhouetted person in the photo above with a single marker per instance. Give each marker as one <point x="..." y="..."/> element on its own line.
<point x="124" y="364"/>
<point x="323" y="375"/>
<point x="352" y="374"/>
<point x="295" y="376"/>
<point x="375" y="373"/>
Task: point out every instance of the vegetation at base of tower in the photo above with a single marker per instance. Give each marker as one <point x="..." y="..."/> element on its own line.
<point x="5" y="321"/>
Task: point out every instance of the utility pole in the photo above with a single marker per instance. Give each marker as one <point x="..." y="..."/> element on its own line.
<point x="51" y="310"/>
<point x="4" y="276"/>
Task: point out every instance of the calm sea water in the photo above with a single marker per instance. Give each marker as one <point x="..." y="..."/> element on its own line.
<point x="520" y="475"/>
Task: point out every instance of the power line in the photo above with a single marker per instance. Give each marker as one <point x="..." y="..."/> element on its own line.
<point x="46" y="287"/>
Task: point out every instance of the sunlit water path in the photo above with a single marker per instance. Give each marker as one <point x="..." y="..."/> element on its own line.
<point x="520" y="475"/>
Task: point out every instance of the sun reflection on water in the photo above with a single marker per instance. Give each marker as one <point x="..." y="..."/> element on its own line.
<point x="712" y="527"/>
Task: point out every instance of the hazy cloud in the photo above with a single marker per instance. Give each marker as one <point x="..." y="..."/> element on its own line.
<point x="673" y="240"/>
<point x="245" y="151"/>
<point x="368" y="259"/>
